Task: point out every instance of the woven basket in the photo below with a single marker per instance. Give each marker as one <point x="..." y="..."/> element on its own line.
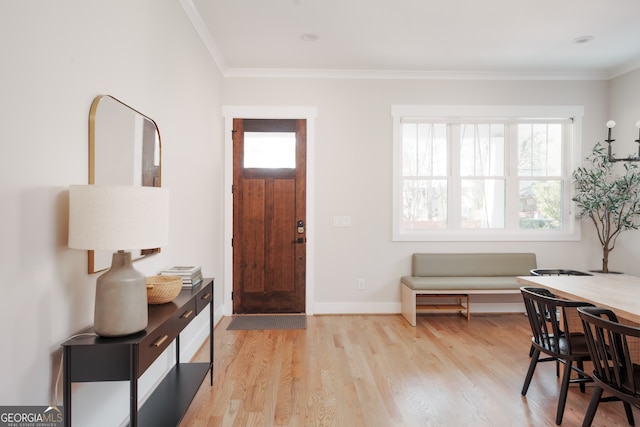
<point x="163" y="289"/>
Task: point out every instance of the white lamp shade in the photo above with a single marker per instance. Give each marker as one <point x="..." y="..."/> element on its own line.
<point x="118" y="217"/>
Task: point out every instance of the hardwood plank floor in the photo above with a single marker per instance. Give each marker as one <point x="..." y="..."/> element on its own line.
<point x="377" y="371"/>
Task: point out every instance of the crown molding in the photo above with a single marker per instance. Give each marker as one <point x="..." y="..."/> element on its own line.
<point x="617" y="72"/>
<point x="274" y="73"/>
<point x="410" y="75"/>
<point x="202" y="31"/>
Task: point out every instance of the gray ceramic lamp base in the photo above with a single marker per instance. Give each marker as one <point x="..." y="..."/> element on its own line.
<point x="121" y="299"/>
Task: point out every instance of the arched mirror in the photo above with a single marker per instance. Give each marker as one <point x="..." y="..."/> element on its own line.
<point x="124" y="149"/>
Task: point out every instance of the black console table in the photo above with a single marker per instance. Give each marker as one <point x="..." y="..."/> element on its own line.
<point x="89" y="358"/>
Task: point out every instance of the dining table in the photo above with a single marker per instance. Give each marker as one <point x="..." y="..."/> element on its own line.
<point x="617" y="292"/>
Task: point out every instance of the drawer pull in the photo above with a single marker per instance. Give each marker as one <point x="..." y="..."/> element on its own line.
<point x="206" y="296"/>
<point x="187" y="314"/>
<point x="160" y="341"/>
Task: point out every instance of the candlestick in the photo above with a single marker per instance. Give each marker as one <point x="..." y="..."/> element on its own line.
<point x="611" y="124"/>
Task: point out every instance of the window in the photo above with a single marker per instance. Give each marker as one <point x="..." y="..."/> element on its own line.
<point x="484" y="173"/>
<point x="270" y="150"/>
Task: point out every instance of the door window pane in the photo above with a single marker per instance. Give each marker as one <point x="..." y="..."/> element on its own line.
<point x="270" y="150"/>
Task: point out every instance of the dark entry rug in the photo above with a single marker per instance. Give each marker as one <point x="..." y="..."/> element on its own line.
<point x="278" y="321"/>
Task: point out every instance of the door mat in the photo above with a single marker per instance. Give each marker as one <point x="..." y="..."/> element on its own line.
<point x="257" y="322"/>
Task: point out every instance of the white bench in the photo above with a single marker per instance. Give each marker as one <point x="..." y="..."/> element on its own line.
<point x="435" y="277"/>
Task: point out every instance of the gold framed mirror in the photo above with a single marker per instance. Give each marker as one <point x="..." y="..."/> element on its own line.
<point x="124" y="149"/>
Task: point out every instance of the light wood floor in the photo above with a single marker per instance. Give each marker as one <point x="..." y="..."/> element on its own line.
<point x="377" y="371"/>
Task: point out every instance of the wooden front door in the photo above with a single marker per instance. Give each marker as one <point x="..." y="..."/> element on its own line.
<point x="269" y="216"/>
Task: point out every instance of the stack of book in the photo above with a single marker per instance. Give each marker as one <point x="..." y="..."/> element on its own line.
<point x="191" y="275"/>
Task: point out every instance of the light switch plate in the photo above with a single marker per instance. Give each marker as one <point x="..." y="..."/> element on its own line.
<point x="341" y="221"/>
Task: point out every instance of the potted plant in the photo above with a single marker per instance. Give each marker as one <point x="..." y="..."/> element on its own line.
<point x="608" y="197"/>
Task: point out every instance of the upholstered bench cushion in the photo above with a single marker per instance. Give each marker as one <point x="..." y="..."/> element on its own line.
<point x="473" y="264"/>
<point x="455" y="283"/>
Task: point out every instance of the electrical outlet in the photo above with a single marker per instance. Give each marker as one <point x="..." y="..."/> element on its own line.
<point x="361" y="284"/>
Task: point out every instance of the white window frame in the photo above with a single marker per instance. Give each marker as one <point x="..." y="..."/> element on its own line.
<point x="446" y="113"/>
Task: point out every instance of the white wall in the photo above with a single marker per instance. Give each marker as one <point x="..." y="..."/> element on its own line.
<point x="56" y="57"/>
<point x="624" y="108"/>
<point x="353" y="148"/>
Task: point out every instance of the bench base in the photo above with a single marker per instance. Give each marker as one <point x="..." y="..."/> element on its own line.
<point x="461" y="305"/>
<point x="411" y="306"/>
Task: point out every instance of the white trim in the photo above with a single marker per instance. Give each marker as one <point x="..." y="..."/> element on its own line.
<point x="282" y="73"/>
<point x="627" y="68"/>
<point x="395" y="308"/>
<point x="357" y="308"/>
<point x="203" y="32"/>
<point x="267" y="112"/>
<point x="514" y="111"/>
<point x="400" y="112"/>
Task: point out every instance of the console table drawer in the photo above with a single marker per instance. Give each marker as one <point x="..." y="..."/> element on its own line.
<point x="205" y="296"/>
<point x="153" y="345"/>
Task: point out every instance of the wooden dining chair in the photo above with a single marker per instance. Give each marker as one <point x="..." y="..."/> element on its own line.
<point x="554" y="272"/>
<point x="553" y="336"/>
<point x="616" y="370"/>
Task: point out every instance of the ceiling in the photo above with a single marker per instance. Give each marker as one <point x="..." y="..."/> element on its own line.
<point x="420" y="38"/>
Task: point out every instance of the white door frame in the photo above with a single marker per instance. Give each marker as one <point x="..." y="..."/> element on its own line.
<point x="230" y="112"/>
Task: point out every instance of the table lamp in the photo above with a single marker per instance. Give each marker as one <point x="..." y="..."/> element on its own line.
<point x="119" y="218"/>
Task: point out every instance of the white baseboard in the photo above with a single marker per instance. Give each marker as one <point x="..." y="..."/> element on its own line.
<point x="218" y="314"/>
<point x="482" y="307"/>
<point x="356" y="308"/>
<point x="394" y="308"/>
<point x="198" y="333"/>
